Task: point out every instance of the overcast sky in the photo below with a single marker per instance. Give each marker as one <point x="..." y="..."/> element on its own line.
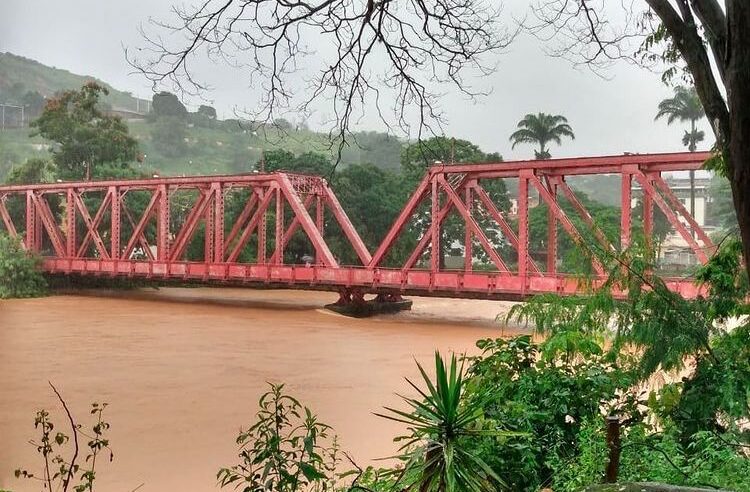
<point x="609" y="116"/>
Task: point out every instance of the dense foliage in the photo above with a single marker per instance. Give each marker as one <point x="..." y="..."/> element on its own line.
<point x="20" y="275"/>
<point x="86" y="137"/>
<point x="442" y="421"/>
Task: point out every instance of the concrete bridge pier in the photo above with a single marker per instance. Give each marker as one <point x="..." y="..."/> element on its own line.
<point x="352" y="303"/>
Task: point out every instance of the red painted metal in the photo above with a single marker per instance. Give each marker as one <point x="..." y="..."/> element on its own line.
<point x="81" y="238"/>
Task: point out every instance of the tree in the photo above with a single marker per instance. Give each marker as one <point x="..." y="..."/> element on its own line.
<point x="207" y="111"/>
<point x="87" y="138"/>
<point x="542" y="128"/>
<point x="685" y="106"/>
<point x="417" y="157"/>
<point x="167" y="104"/>
<point x="169" y="133"/>
<point x="33" y="103"/>
<point x="32" y="171"/>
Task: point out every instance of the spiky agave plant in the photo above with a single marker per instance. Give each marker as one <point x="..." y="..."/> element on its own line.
<point x="437" y="454"/>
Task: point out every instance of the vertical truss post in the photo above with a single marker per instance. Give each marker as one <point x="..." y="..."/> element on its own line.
<point x="648" y="217"/>
<point x="30" y="240"/>
<point x="162" y="224"/>
<point x="115" y="217"/>
<point x="70" y="223"/>
<point x="468" y="250"/>
<point x="625" y="199"/>
<point x="38" y="227"/>
<point x="208" y="226"/>
<point x="319" y="209"/>
<point x="262" y="231"/>
<point x="218" y="223"/>
<point x="552" y="230"/>
<point x="523" y="222"/>
<point x="436" y="252"/>
<point x="278" y="254"/>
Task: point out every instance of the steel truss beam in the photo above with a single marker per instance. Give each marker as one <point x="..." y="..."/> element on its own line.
<point x="308" y="201"/>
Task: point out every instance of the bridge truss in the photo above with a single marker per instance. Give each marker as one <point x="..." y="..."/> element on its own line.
<point x="149" y="228"/>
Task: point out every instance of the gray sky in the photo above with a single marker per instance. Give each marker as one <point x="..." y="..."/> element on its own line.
<point x="608" y="116"/>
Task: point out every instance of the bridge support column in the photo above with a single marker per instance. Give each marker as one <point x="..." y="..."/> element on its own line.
<point x="352" y="303"/>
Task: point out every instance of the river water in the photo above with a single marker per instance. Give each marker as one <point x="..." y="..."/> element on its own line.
<point x="182" y="370"/>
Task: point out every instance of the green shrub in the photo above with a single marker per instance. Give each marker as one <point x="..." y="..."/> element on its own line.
<point x="708" y="459"/>
<point x="20" y="275"/>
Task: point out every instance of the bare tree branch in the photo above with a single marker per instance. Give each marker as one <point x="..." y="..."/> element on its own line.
<point x="369" y="52"/>
<point x="74" y="428"/>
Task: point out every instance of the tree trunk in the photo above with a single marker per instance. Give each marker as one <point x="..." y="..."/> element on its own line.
<point x="738" y="95"/>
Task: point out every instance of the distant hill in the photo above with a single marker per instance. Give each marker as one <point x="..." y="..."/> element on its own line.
<point x="19" y="75"/>
<point x="222" y="147"/>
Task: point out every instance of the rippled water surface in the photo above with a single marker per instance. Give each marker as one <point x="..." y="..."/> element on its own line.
<point x="182" y="370"/>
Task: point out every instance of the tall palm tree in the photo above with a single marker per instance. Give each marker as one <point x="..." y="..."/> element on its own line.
<point x="542" y="128"/>
<point x="685" y="106"/>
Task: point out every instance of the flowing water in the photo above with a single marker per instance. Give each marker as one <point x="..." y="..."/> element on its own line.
<point x="182" y="370"/>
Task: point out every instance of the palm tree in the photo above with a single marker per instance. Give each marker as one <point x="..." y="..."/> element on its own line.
<point x="685" y="106"/>
<point x="542" y="128"/>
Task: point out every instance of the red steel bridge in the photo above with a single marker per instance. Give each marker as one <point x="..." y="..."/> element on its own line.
<point x="148" y="228"/>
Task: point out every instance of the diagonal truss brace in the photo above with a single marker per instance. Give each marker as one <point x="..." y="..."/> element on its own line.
<point x="561" y="216"/>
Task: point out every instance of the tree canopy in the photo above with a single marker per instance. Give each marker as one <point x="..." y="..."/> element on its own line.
<point x="86" y="138"/>
<point x="541" y="129"/>
<point x="685" y="106"/>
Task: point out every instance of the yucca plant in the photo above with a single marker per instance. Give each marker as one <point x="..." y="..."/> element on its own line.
<point x="438" y="454"/>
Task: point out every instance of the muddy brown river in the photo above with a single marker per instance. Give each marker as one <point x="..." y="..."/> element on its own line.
<point x="182" y="370"/>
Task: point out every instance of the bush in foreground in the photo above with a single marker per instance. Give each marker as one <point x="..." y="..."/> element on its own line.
<point x="20" y="275"/>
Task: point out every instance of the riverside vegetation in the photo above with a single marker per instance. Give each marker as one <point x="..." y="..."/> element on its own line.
<point x="527" y="415"/>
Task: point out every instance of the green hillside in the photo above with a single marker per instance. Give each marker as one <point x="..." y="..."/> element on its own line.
<point x="19" y="75"/>
<point x="207" y="146"/>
